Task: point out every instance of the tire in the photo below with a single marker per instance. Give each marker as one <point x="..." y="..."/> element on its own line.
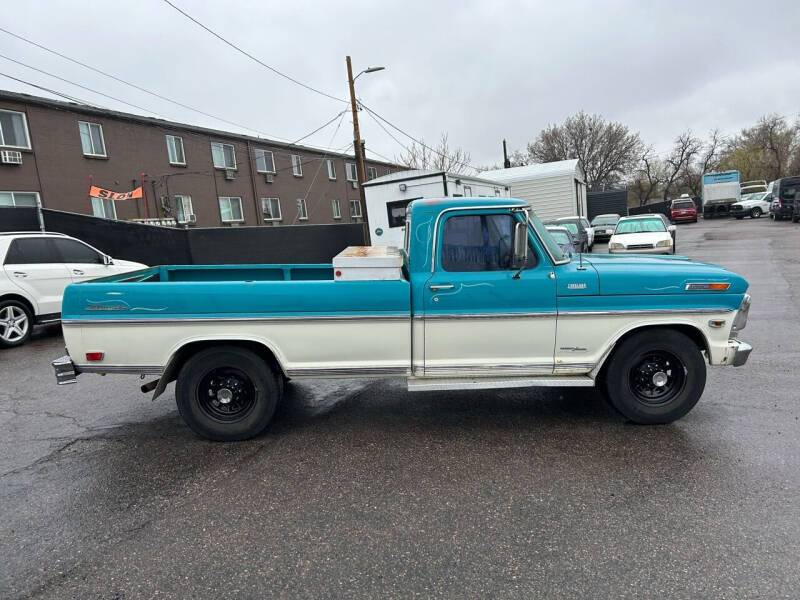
<point x="755" y="213"/>
<point x="16" y="323"/>
<point x="227" y="393"/>
<point x="646" y="358"/>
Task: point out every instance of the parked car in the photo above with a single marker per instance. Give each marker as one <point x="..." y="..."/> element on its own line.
<point x="589" y="231"/>
<point x="36" y="269"/>
<point x="642" y="234"/>
<point x="491" y="298"/>
<point x="563" y="238"/>
<point x="578" y="230"/>
<point x="752" y="205"/>
<point x="683" y="210"/>
<point x="603" y="226"/>
<point x="784" y="192"/>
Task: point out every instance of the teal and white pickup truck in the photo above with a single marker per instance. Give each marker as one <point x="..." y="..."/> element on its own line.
<point x="480" y="298"/>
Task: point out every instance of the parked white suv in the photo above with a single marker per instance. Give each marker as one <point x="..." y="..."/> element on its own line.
<point x="36" y="267"/>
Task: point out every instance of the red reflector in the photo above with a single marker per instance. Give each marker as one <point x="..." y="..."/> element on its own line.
<point x="338" y="273"/>
<point x="94" y="356"/>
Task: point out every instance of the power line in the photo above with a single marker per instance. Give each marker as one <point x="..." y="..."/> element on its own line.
<point x="54" y="92"/>
<point x="253" y="58"/>
<point x="138" y="87"/>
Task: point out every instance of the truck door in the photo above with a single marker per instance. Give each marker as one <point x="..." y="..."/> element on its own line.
<point x="479" y="318"/>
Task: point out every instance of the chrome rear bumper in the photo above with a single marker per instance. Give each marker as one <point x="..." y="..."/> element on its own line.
<point x="65" y="370"/>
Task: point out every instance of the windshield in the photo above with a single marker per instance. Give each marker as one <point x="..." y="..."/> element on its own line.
<point x="683" y="204"/>
<point x="547" y="238"/>
<point x="640" y="226"/>
<point x="560" y="237"/>
<point x="610" y="220"/>
<point x="757" y="196"/>
<point x="572" y="227"/>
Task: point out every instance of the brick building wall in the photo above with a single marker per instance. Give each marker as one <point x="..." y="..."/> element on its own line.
<point x="57" y="168"/>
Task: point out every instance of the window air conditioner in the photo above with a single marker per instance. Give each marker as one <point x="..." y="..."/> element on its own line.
<point x="354" y="184"/>
<point x="230" y="174"/>
<point x="192" y="219"/>
<point x="269" y="177"/>
<point x="11" y="157"/>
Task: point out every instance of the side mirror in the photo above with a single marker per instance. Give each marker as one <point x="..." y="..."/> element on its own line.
<point x="107" y="260"/>
<point x="520" y="245"/>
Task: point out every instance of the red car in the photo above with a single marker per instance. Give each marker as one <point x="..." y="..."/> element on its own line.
<point x="683" y="210"/>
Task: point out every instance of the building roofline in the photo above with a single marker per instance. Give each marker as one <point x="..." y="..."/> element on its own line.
<point x="165" y="124"/>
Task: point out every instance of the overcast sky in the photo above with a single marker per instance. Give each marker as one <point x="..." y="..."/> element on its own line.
<point x="480" y="71"/>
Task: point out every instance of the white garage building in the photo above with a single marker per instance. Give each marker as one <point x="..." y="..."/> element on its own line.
<point x="556" y="189"/>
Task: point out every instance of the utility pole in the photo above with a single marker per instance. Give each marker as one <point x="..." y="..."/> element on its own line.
<point x="358" y="148"/>
<point x="506" y="162"/>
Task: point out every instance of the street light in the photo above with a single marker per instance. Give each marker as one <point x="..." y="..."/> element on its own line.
<point x="357" y="143"/>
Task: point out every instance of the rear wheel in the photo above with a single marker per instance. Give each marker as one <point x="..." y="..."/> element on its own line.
<point x="755" y="213"/>
<point x="16" y="323"/>
<point x="655" y="377"/>
<point x="227" y="393"/>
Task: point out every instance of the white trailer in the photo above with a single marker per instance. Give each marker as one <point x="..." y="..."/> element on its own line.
<point x="720" y="191"/>
<point x="388" y="196"/>
<point x="553" y="190"/>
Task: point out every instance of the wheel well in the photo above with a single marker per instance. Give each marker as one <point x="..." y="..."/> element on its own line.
<point x="20" y="299"/>
<point x="185" y="352"/>
<point x="693" y="333"/>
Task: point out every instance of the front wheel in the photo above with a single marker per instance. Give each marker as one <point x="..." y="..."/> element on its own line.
<point x="755" y="213"/>
<point x="655" y="377"/>
<point x="227" y="393"/>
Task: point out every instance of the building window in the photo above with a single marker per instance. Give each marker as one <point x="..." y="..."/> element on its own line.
<point x="396" y="212"/>
<point x="302" y="211"/>
<point x="372" y="173"/>
<point x="336" y="209"/>
<point x="223" y="155"/>
<point x="331" y="169"/>
<point x="468" y="190"/>
<point x="271" y="207"/>
<point x="355" y="209"/>
<point x="14" y="130"/>
<point x="265" y="161"/>
<point x="230" y="209"/>
<point x="19" y="198"/>
<point x="175" y="150"/>
<point x="352" y="173"/>
<point x="104" y="208"/>
<point x="92" y="140"/>
<point x="183" y="209"/>
<point x="297" y="165"/>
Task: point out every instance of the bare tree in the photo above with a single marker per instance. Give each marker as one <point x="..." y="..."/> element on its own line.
<point x="708" y="160"/>
<point x="608" y="151"/>
<point x="649" y="176"/>
<point x="440" y="157"/>
<point x="684" y="150"/>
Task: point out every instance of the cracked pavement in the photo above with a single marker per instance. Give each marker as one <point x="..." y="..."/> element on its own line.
<point x="361" y="489"/>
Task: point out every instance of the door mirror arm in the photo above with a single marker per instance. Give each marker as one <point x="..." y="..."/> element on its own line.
<point x="107" y="260"/>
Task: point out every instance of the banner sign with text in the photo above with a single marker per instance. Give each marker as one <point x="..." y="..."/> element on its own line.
<point x="98" y="192"/>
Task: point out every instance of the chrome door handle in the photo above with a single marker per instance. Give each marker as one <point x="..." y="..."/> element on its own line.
<point x="20" y="274"/>
<point x="441" y="286"/>
<point x="77" y="272"/>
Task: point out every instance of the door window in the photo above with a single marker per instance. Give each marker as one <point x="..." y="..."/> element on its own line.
<point x="72" y="251"/>
<point x="479" y="243"/>
<point x="32" y="251"/>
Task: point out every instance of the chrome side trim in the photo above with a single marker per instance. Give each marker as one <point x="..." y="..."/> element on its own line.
<point x="648" y="311"/>
<point x="120" y="369"/>
<point x="450" y="316"/>
<point x="348" y="372"/>
<point x="171" y="320"/>
<point x="515" y="369"/>
<point x="467" y="383"/>
<point x="566" y="368"/>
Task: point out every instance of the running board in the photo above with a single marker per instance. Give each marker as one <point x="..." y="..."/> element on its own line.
<point x="433" y="384"/>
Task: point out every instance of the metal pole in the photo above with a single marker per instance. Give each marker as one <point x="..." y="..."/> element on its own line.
<point x="358" y="148"/>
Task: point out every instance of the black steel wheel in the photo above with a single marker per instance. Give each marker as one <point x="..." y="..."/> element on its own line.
<point x="655" y="376"/>
<point x="227" y="393"/>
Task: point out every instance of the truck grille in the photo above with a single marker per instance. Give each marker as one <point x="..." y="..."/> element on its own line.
<point x="640" y="247"/>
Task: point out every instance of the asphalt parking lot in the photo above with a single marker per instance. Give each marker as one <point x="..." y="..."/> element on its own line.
<point x="364" y="490"/>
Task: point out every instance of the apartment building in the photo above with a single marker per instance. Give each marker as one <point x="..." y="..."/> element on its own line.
<point x="51" y="152"/>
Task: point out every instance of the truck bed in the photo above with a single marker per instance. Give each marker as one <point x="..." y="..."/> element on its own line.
<point x="210" y="273"/>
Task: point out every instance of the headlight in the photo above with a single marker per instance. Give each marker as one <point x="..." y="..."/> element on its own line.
<point x="616" y="246"/>
<point x="664" y="244"/>
<point x="741" y="317"/>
